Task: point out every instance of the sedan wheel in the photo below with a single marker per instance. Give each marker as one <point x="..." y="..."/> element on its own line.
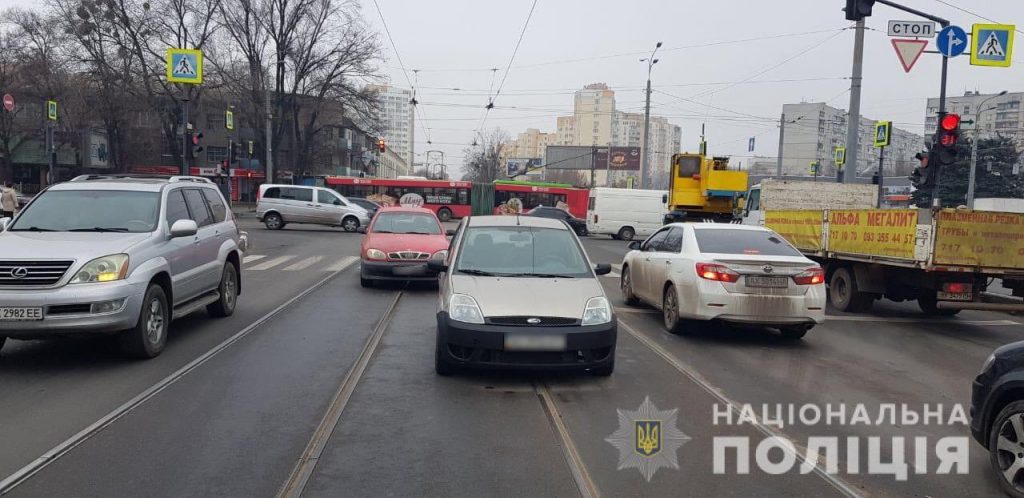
<point x="1006" y="448"/>
<point x="626" y="284"/>
<point x="670" y="311"/>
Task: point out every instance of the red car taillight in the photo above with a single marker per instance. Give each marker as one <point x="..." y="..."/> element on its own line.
<point x="813" y="276"/>
<point x="711" y="271"/>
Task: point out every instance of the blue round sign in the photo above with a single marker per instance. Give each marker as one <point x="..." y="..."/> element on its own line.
<point x="952" y="41"/>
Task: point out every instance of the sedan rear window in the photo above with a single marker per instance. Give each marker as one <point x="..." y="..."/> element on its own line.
<point x="756" y="242"/>
<point x="521" y="251"/>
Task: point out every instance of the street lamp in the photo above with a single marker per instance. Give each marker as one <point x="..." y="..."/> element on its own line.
<point x="645" y="168"/>
<point x="974" y="148"/>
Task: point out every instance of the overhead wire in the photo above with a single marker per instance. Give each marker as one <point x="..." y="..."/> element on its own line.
<point x="490" y="103"/>
<point x="975" y="14"/>
<point x="398" y="56"/>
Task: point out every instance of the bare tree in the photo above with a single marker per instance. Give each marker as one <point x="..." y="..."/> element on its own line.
<point x="483" y="159"/>
<point x="574" y="177"/>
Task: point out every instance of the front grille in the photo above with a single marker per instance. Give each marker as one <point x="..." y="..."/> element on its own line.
<point x="29" y="273"/>
<point x="523" y="321"/>
<point x="409" y="255"/>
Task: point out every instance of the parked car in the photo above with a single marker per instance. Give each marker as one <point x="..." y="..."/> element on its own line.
<point x="520" y="292"/>
<point x="579" y="226"/>
<point x="280" y="205"/>
<point x="997" y="414"/>
<point x="625" y="213"/>
<point x="118" y="255"/>
<point x="724" y="272"/>
<point x="370" y="206"/>
<point x="398" y="243"/>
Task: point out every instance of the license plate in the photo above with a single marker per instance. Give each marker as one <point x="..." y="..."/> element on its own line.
<point x="762" y="281"/>
<point x="954" y="296"/>
<point x="411" y="270"/>
<point x="20" y="314"/>
<point x="532" y="342"/>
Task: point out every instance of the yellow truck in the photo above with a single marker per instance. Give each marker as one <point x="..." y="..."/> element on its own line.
<point x="702" y="188"/>
<point x="942" y="258"/>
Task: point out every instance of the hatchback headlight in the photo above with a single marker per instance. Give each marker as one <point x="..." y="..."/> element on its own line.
<point x="441" y="255"/>
<point x="463" y="308"/>
<point x="597" y="312"/>
<point x="375" y="254"/>
<point x="105" y="269"/>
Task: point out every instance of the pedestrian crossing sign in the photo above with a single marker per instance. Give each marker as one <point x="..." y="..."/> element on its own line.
<point x="840" y="156"/>
<point x="883" y="131"/>
<point x="992" y="44"/>
<point x="184" y="66"/>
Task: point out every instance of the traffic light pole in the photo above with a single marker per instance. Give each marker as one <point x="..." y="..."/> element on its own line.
<point x="184" y="137"/>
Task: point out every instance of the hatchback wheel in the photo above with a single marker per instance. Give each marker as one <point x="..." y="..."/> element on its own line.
<point x="626" y="284"/>
<point x="149" y="336"/>
<point x="273" y="221"/>
<point x="350" y="224"/>
<point x="1006" y="448"/>
<point x="670" y="311"/>
<point x="225" y="306"/>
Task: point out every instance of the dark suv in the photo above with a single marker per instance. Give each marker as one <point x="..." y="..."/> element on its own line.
<point x="997" y="414"/>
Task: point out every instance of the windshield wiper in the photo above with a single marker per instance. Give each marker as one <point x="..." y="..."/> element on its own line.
<point x="99" y="229"/>
<point x="32" y="229"/>
<point x="481" y="273"/>
<point x="539" y="275"/>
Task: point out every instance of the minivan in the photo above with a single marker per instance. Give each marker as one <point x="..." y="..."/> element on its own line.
<point x="280" y="205"/>
<point x="625" y="213"/>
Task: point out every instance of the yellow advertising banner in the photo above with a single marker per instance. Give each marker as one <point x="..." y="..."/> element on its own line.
<point x="887" y="233"/>
<point x="979" y="238"/>
<point x="801" y="228"/>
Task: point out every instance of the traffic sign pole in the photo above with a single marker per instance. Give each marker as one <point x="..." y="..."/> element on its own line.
<point x="881" y="176"/>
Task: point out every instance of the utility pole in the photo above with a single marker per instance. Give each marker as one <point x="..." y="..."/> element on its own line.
<point x="645" y="166"/>
<point x="782" y="134"/>
<point x="853" y="124"/>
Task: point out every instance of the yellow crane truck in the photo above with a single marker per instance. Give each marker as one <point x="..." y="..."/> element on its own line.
<point x="703" y="188"/>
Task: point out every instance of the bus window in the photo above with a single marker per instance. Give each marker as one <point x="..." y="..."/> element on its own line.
<point x="464" y="196"/>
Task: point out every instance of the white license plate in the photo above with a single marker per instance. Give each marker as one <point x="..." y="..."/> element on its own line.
<point x="762" y="281"/>
<point x="954" y="296"/>
<point x="533" y="342"/>
<point x="20" y="314"/>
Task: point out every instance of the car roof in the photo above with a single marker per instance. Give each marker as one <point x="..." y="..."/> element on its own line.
<point x="404" y="209"/>
<point x="137" y="183"/>
<point x="513" y="220"/>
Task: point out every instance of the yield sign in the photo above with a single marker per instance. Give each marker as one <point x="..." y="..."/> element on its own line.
<point x="909" y="51"/>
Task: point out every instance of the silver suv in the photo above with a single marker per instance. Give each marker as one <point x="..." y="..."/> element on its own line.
<point x="118" y="254"/>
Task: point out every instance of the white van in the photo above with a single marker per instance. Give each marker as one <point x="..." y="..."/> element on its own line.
<point x="625" y="213"/>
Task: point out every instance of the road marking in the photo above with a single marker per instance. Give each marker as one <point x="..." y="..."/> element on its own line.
<point x="26" y="472"/>
<point x="303" y="470"/>
<point x="584" y="483"/>
<point x="617" y="268"/>
<point x="342" y="263"/>
<point x="735" y="407"/>
<point x="949" y="321"/>
<point x="266" y="265"/>
<point x="250" y="259"/>
<point x="302" y="265"/>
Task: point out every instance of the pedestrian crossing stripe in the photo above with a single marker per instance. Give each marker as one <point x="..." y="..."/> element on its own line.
<point x="992" y="44"/>
<point x="184" y="66"/>
<point x="290" y="263"/>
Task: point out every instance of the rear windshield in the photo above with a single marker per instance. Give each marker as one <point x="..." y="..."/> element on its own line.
<point x="754" y="242"/>
<point x="521" y="251"/>
<point x="417" y="223"/>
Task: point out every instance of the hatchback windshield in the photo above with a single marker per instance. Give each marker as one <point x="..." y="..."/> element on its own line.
<point x="753" y="242"/>
<point x="521" y="252"/>
<point x="91" y="210"/>
<point x="406" y="223"/>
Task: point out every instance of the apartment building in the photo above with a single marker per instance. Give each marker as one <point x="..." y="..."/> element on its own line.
<point x="397" y="120"/>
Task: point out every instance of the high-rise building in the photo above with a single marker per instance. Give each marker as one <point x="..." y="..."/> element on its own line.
<point x="1003" y="114"/>
<point x="666" y="140"/>
<point x="814" y="129"/>
<point x="594" y="115"/>
<point x="397" y="120"/>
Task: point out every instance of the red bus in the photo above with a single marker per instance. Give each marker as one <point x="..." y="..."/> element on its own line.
<point x="533" y="194"/>
<point x="449" y="199"/>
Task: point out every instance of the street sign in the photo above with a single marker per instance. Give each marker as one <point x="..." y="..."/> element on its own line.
<point x="883" y="132"/>
<point x="51" y="110"/>
<point x="750" y="144"/>
<point x="952" y="41"/>
<point x="814" y="168"/>
<point x="229" y="120"/>
<point x="184" y="66"/>
<point x="8" y="102"/>
<point x="991" y="44"/>
<point x="840" y="156"/>
<point x="908" y="51"/>
<point x="920" y="29"/>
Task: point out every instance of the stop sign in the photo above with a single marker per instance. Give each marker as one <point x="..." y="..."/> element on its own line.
<point x="8" y="102"/>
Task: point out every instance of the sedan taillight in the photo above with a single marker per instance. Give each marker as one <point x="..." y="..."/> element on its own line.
<point x="813" y="276"/>
<point x="720" y="273"/>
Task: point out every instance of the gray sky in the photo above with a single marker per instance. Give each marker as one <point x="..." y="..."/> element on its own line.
<point x="455" y="43"/>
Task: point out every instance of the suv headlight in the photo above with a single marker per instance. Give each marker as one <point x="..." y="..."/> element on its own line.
<point x="375" y="254"/>
<point x="597" y="312"/>
<point x="105" y="269"/>
<point x="463" y="308"/>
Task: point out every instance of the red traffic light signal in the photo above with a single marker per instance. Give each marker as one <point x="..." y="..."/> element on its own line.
<point x="950" y="122"/>
<point x="196" y="137"/>
<point x="381" y="146"/>
<point x="948" y="139"/>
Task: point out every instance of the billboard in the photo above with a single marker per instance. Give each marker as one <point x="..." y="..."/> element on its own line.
<point x="521" y="166"/>
<point x="96" y="150"/>
<point x="596" y="157"/>
<point x="624" y="159"/>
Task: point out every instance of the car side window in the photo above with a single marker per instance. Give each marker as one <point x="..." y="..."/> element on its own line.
<point x="655" y="242"/>
<point x="673" y="241"/>
<point x="272" y="193"/>
<point x="213" y="199"/>
<point x="325" y="197"/>
<point x="176" y="208"/>
<point x="297" y="194"/>
<point x="197" y="206"/>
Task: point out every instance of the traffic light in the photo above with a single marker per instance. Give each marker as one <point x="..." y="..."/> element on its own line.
<point x="947" y="138"/>
<point x="381" y="146"/>
<point x="858" y="9"/>
<point x="233" y="152"/>
<point x="921" y="176"/>
<point x="197" y="148"/>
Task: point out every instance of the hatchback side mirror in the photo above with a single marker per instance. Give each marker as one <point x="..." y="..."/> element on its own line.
<point x="635" y="245"/>
<point x="602" y="269"/>
<point x="184" y="228"/>
<point x="437" y="265"/>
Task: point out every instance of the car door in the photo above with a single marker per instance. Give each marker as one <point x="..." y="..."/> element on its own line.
<point x="330" y="209"/>
<point x="297" y="204"/>
<point x="641" y="267"/>
<point x="181" y="253"/>
<point x="208" y="246"/>
<point x="660" y="262"/>
<point x="224" y="229"/>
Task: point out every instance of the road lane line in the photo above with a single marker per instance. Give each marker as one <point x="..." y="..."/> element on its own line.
<point x="948" y="321"/>
<point x="25" y="473"/>
<point x="341" y="263"/>
<point x="617" y="268"/>
<point x="613" y="275"/>
<point x="306" y="464"/>
<point x="266" y="265"/>
<point x="249" y="259"/>
<point x="302" y="265"/>
<point x="837" y="482"/>
<point x="584" y="483"/>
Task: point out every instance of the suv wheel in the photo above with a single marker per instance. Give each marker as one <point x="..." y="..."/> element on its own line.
<point x="1006" y="448"/>
<point x="273" y="221"/>
<point x="228" y="290"/>
<point x="350" y="224"/>
<point x="149" y="336"/>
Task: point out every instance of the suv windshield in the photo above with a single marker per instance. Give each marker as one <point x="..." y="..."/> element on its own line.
<point x="521" y="251"/>
<point x="743" y="242"/>
<point x="406" y="223"/>
<point x="91" y="210"/>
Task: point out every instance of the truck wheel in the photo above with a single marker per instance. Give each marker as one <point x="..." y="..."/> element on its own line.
<point x="148" y="337"/>
<point x="929" y="305"/>
<point x="843" y="293"/>
<point x="626" y="233"/>
<point x="1004" y="443"/>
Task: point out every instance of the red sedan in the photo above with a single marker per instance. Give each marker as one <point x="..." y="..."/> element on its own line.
<point x="399" y="242"/>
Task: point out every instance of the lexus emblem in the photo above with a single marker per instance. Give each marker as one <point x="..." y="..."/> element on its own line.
<point x="533" y="321"/>
<point x="767" y="268"/>
<point x="19" y="272"/>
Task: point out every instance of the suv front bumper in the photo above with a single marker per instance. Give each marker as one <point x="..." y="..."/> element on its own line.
<point x="61" y="319"/>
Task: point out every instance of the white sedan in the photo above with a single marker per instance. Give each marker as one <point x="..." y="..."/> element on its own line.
<point x="724" y="272"/>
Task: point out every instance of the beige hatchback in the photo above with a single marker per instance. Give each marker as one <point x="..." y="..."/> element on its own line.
<point x="520" y="292"/>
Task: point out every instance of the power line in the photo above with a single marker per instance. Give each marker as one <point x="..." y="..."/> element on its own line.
<point x="961" y="9"/>
<point x="426" y="131"/>
<point x="490" y="103"/>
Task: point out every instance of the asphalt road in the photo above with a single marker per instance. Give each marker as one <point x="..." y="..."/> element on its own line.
<point x="335" y="395"/>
